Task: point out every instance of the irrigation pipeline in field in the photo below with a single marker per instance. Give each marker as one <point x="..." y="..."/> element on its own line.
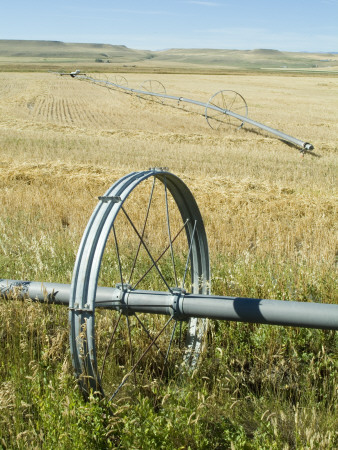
<point x="224" y="107"/>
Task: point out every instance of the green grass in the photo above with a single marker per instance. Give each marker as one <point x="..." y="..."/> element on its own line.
<point x="257" y="387"/>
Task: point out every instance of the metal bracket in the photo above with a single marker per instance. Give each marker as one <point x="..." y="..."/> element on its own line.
<point x="85" y="309"/>
<point x="124" y="288"/>
<point x="159" y="169"/>
<point x="112" y="198"/>
<point x="178" y="294"/>
<point x="107" y="198"/>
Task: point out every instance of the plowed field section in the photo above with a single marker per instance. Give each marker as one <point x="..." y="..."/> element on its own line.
<point x="56" y="100"/>
<point x="64" y="105"/>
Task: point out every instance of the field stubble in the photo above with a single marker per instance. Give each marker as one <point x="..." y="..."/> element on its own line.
<point x="270" y="216"/>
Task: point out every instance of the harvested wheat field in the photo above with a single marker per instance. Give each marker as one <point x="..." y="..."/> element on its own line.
<point x="270" y="215"/>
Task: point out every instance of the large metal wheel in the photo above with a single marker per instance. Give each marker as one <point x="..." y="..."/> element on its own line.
<point x="120" y="80"/>
<point x="155" y="87"/>
<point x="221" y="103"/>
<point x="112" y="82"/>
<point x="115" y="83"/>
<point x="146" y="233"/>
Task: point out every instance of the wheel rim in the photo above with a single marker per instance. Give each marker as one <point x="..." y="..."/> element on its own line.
<point x="225" y="100"/>
<point x="158" y="220"/>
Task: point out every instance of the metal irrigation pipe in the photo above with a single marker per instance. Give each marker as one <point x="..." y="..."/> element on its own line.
<point x="184" y="306"/>
<point x="306" y="146"/>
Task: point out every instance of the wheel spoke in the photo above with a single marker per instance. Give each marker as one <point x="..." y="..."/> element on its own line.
<point x="218" y="114"/>
<point x="131" y="346"/>
<point x="140" y="359"/>
<point x="233" y="101"/>
<point x="169" y="347"/>
<point x="217" y="106"/>
<point x="144" y="227"/>
<point x="147" y="250"/>
<point x="109" y="344"/>
<point x="161" y="255"/>
<point x="118" y="256"/>
<point x="219" y="121"/>
<point x="223" y="101"/>
<point x="148" y="334"/>
<point x="180" y="339"/>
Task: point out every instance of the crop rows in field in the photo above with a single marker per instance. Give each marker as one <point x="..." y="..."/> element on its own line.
<point x="56" y="101"/>
<point x="63" y="110"/>
<point x="63" y="105"/>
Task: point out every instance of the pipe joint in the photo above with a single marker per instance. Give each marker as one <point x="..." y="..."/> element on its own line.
<point x="177" y="309"/>
<point x="123" y="299"/>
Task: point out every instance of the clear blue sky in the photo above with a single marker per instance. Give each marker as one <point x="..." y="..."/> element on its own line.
<point x="289" y="25"/>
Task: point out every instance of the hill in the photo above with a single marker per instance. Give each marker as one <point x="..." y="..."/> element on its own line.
<point x="58" y="49"/>
<point x="27" y="54"/>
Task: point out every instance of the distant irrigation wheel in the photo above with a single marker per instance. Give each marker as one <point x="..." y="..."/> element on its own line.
<point x="120" y="80"/>
<point x="155" y="87"/>
<point x="222" y="101"/>
<point x="146" y="233"/>
<point x="114" y="82"/>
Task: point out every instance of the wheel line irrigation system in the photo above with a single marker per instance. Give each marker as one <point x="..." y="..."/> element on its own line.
<point x="181" y="302"/>
<point x="220" y="108"/>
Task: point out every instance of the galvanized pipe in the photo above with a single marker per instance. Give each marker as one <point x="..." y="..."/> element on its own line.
<point x="284" y="136"/>
<point x="272" y="312"/>
<point x="184" y="306"/>
<point x="56" y="293"/>
<point x="280" y="134"/>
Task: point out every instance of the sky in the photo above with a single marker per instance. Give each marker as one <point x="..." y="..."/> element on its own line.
<point x="287" y="25"/>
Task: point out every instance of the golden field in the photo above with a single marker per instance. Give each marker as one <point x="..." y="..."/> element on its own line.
<point x="270" y="214"/>
<point x="64" y="141"/>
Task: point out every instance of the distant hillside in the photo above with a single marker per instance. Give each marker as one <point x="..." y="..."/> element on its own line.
<point x="57" y="52"/>
<point x="251" y="59"/>
<point x="58" y="49"/>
